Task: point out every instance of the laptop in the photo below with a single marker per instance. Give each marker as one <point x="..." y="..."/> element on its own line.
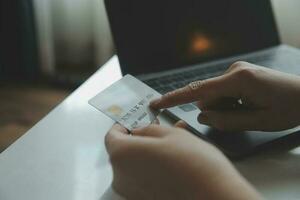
<point x="168" y="44"/>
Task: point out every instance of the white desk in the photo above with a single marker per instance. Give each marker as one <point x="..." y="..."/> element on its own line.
<point x="63" y="156"/>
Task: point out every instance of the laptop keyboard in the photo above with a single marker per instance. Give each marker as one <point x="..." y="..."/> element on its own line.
<point x="164" y="84"/>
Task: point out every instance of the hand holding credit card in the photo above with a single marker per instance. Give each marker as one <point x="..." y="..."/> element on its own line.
<point x="127" y="102"/>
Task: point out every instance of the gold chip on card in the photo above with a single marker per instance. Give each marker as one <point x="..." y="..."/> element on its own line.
<point x="115" y="110"/>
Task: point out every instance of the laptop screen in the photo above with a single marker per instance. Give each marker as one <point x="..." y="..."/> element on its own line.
<point x="158" y="35"/>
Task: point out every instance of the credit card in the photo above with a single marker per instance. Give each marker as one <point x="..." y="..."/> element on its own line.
<point x="127" y="102"/>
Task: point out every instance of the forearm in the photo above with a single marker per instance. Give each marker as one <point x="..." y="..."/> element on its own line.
<point x="227" y="184"/>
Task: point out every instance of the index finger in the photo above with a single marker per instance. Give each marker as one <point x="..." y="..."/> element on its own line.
<point x="187" y="94"/>
<point x="204" y="91"/>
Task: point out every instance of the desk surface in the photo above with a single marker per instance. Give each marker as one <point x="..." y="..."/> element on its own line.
<point x="63" y="156"/>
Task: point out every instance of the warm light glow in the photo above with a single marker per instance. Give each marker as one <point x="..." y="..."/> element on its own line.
<point x="200" y="44"/>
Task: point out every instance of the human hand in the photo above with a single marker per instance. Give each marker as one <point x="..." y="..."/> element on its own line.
<point x="246" y="97"/>
<point x="170" y="163"/>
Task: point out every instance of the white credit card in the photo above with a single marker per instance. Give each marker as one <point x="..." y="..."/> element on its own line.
<point x="127" y="102"/>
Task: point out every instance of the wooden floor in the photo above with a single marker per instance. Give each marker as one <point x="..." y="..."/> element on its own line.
<point x="23" y="106"/>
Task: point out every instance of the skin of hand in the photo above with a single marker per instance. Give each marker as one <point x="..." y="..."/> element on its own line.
<point x="261" y="99"/>
<point x="170" y="163"/>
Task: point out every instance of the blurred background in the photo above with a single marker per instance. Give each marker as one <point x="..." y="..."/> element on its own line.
<point x="50" y="47"/>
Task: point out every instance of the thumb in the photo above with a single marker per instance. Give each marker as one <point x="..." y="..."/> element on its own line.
<point x="152" y="130"/>
<point x="233" y="120"/>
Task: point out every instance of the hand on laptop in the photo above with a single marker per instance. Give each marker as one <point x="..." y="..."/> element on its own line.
<point x="246" y="97"/>
<point x="170" y="163"/>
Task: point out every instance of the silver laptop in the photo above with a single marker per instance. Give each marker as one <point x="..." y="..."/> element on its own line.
<point x="170" y="43"/>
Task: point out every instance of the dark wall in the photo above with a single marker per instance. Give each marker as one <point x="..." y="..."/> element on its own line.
<point x="18" y="46"/>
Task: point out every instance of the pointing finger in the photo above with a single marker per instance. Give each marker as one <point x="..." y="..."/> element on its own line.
<point x="180" y="96"/>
